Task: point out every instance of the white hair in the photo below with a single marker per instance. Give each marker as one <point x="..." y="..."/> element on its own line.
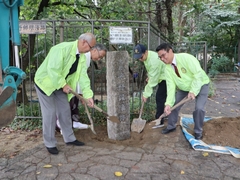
<point x="87" y="36"/>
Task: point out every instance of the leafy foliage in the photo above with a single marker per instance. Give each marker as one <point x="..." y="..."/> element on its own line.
<point x="218" y="26"/>
<point x="25" y="123"/>
<point x="98" y="117"/>
<point x="212" y="89"/>
<point x="220" y="64"/>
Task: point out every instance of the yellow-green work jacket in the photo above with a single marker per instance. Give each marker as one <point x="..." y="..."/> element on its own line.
<point x="193" y="77"/>
<point x="51" y="75"/>
<point x="155" y="69"/>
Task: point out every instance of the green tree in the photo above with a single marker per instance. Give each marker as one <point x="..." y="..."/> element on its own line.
<point x="216" y="23"/>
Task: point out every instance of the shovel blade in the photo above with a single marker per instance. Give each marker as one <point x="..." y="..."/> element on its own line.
<point x="138" y="125"/>
<point x="92" y="128"/>
<point x="113" y="119"/>
<point x="156" y="121"/>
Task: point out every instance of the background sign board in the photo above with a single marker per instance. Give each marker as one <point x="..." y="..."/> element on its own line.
<point x="120" y="35"/>
<point x="32" y="27"/>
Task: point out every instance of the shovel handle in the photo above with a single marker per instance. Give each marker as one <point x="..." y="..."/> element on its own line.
<point x="184" y="100"/>
<point x="141" y="110"/>
<point x="82" y="98"/>
<point x="90" y="119"/>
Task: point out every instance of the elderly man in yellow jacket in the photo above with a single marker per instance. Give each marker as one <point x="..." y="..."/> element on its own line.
<point x="64" y="66"/>
<point x="188" y="79"/>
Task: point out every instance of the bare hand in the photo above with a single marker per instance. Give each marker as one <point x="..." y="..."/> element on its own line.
<point x="191" y="95"/>
<point x="167" y="110"/>
<point x="90" y="102"/>
<point x="67" y="89"/>
<point x="144" y="99"/>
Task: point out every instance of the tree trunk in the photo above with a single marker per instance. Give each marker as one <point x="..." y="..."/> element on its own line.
<point x="165" y="25"/>
<point x="168" y="4"/>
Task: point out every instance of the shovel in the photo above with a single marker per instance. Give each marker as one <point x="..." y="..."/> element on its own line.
<point x="138" y="123"/>
<point x="90" y="119"/>
<point x="157" y="121"/>
<point x="111" y="118"/>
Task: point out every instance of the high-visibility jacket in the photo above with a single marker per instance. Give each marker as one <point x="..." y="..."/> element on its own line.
<point x="52" y="73"/>
<point x="155" y="71"/>
<point x="193" y="77"/>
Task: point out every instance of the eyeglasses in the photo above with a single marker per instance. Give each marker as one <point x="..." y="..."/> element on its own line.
<point x="89" y="44"/>
<point x="162" y="56"/>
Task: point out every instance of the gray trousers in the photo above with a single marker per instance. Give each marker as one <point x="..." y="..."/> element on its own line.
<point x="198" y="114"/>
<point x="55" y="105"/>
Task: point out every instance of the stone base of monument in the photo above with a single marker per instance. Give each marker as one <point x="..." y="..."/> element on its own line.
<point x="118" y="131"/>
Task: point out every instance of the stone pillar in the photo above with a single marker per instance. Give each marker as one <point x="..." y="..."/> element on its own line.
<point x="118" y="94"/>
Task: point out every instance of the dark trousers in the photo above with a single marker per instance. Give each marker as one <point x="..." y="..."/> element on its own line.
<point x="198" y="114"/>
<point x="161" y="96"/>
<point x="74" y="106"/>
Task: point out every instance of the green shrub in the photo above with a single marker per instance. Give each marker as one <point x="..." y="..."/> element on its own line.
<point x="212" y="89"/>
<point x="27" y="123"/>
<point x="219" y="64"/>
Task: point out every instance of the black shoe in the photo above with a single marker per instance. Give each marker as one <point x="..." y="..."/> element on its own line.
<point x="52" y="150"/>
<point x="166" y="130"/>
<point x="76" y="143"/>
<point x="198" y="136"/>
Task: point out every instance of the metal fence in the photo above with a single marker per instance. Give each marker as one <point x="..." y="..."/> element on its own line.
<point x="43" y="35"/>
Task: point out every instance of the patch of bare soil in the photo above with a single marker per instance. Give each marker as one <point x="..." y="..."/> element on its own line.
<point x="221" y="131"/>
<point x="147" y="136"/>
<point x="13" y="143"/>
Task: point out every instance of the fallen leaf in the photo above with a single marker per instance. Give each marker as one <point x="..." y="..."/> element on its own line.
<point x="118" y="173"/>
<point x="182" y="172"/>
<point x="205" y="154"/>
<point x="47" y="166"/>
<point x="38" y="172"/>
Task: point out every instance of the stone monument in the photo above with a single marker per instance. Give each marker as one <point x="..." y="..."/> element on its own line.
<point x="118" y="94"/>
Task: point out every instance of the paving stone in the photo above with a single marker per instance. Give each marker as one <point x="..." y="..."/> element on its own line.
<point x="171" y="158"/>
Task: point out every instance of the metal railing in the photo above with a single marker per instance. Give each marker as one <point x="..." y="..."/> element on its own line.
<point x="35" y="47"/>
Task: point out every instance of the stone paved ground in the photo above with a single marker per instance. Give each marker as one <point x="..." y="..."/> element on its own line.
<point x="170" y="158"/>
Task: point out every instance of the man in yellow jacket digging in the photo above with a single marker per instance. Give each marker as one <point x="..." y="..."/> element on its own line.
<point x="64" y="66"/>
<point x="156" y="77"/>
<point x="184" y="77"/>
<point x="96" y="53"/>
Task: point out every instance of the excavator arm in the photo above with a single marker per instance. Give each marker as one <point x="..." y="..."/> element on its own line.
<point x="11" y="76"/>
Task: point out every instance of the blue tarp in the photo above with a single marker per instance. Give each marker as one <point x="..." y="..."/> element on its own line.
<point x="199" y="144"/>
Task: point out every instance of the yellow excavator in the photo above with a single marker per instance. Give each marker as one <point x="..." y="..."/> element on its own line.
<point x="11" y="76"/>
